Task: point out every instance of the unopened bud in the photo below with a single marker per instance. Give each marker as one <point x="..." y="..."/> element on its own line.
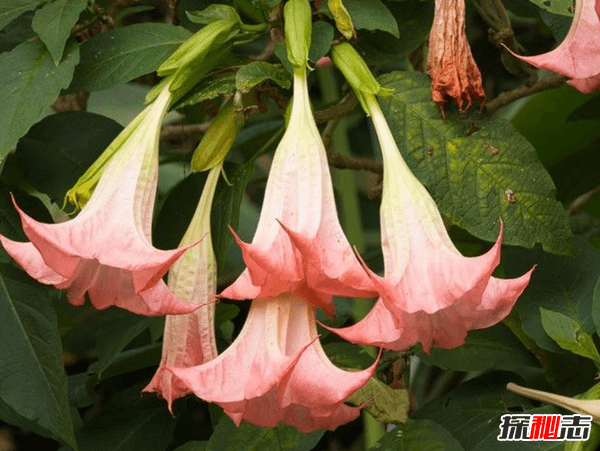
<point x="218" y="139"/>
<point x="298" y="29"/>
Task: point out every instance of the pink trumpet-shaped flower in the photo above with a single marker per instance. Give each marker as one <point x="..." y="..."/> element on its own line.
<point x="299" y="245"/>
<point x="430" y="292"/>
<point x="276" y="370"/>
<point x="451" y="66"/>
<point x="106" y="250"/>
<point x="189" y="340"/>
<point x="578" y="56"/>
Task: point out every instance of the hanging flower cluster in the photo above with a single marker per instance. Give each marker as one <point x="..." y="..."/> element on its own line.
<point x="276" y="369"/>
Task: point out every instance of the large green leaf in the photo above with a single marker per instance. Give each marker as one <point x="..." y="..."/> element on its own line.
<point x="248" y="437"/>
<point x="254" y="73"/>
<point x="59" y="149"/>
<point x="11" y="9"/>
<point x="562" y="7"/>
<point x="563" y="132"/>
<point x="33" y="387"/>
<point x="120" y="55"/>
<point x="414" y="19"/>
<point x="561" y="284"/>
<point x="472" y="412"/>
<point x="116" y="330"/>
<point x="372" y="15"/>
<point x="477" y="169"/>
<point x="209" y="88"/>
<point x="418" y="435"/>
<point x="493" y="348"/>
<point x="30" y="82"/>
<point x="128" y="422"/>
<point x="53" y="23"/>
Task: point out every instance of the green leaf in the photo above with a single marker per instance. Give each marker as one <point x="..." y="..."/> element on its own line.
<point x="472" y="411"/>
<point x="348" y="355"/>
<point x="58" y="150"/>
<point x="596" y="307"/>
<point x="559" y="25"/>
<point x="33" y="392"/>
<point x="19" y="30"/>
<point x="475" y="177"/>
<point x="11" y="9"/>
<point x="561" y="284"/>
<point x="53" y="23"/>
<point x="29" y="83"/>
<point x="322" y="35"/>
<point x="122" y="54"/>
<point x="255" y="73"/>
<point x="209" y="89"/>
<point x="117" y="329"/>
<point x="558" y="135"/>
<point x="589" y="110"/>
<point x="226" y="207"/>
<point x="414" y="18"/>
<point x="214" y="12"/>
<point x="372" y="15"/>
<point x="133" y="360"/>
<point x="385" y="404"/>
<point x="562" y="7"/>
<point x="248" y="437"/>
<point x="569" y="335"/>
<point x="493" y="348"/>
<point x="128" y="422"/>
<point x="418" y="435"/>
<point x="192" y="446"/>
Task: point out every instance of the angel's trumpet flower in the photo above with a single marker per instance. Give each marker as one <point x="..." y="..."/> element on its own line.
<point x="299" y="245"/>
<point x="430" y="292"/>
<point x="189" y="340"/>
<point x="106" y="250"/>
<point x="276" y="370"/>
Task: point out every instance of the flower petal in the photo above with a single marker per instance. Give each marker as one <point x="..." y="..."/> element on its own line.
<point x="189" y="340"/>
<point x="299" y="245"/>
<point x="276" y="370"/>
<point x="578" y="56"/>
<point x="445" y="328"/>
<point x="106" y="250"/>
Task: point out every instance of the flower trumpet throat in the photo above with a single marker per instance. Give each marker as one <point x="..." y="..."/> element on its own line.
<point x="106" y="249"/>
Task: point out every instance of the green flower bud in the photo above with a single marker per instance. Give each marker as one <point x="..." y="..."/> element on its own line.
<point x="357" y="73"/>
<point x="218" y="139"/>
<point x="298" y="29"/>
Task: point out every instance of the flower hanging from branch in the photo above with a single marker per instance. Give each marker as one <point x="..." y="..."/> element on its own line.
<point x="276" y="370"/>
<point x="299" y="245"/>
<point x="106" y="250"/>
<point x="430" y="292"/>
<point x="189" y="340"/>
<point x="454" y="73"/>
